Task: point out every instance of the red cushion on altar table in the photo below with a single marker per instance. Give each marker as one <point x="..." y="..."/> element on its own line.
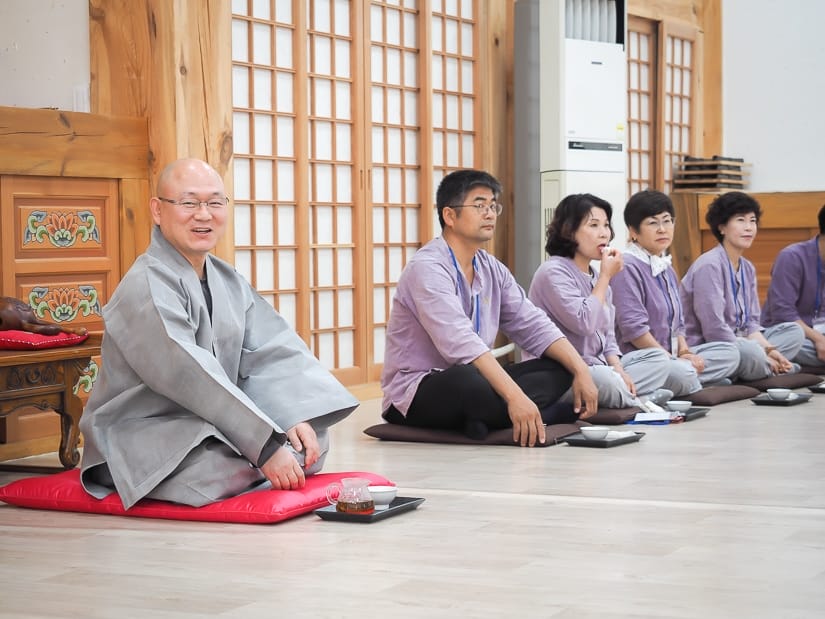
<point x="23" y="340"/>
<point x="63" y="492"/>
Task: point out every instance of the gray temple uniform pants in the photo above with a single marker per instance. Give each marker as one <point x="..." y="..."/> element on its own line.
<point x="721" y="362"/>
<point x="213" y="471"/>
<point x="807" y="355"/>
<point x="648" y="368"/>
<point x="753" y="362"/>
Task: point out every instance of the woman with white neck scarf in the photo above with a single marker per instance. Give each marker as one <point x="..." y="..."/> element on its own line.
<point x="648" y="309"/>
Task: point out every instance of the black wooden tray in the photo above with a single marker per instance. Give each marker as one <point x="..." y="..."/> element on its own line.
<point x="820" y="388"/>
<point x="695" y="413"/>
<point x="580" y="440"/>
<point x="796" y="398"/>
<point x="399" y="505"/>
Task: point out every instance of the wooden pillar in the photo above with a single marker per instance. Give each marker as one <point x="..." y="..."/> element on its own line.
<point x="712" y="78"/>
<point x="170" y="62"/>
<point x="494" y="84"/>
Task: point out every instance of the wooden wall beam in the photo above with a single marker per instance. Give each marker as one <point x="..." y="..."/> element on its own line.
<point x="58" y="143"/>
<point x="688" y="11"/>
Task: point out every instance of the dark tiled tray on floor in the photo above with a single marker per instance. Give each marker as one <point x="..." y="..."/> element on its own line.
<point x="820" y="388"/>
<point x="580" y="440"/>
<point x="796" y="398"/>
<point x="695" y="413"/>
<point x="399" y="505"/>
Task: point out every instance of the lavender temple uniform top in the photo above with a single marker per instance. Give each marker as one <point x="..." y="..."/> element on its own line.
<point x="438" y="321"/>
<point x="797" y="281"/>
<point x="720" y="304"/>
<point x="645" y="303"/>
<point x="562" y="290"/>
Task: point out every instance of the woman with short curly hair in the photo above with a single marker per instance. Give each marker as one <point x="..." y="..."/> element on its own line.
<point x="721" y="300"/>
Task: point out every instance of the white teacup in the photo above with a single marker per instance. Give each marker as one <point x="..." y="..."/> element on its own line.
<point x="594" y="432"/>
<point x="779" y="394"/>
<point x="382" y="496"/>
<point x="679" y="406"/>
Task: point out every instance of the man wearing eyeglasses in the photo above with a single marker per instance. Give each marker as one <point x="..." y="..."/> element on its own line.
<point x="451" y="301"/>
<point x="205" y="392"/>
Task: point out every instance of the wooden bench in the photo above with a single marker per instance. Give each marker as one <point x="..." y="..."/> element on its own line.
<point x="46" y="379"/>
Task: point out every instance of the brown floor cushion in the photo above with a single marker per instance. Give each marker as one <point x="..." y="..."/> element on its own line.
<point x="613" y="416"/>
<point x="394" y="432"/>
<point x="788" y="381"/>
<point x="710" y="396"/>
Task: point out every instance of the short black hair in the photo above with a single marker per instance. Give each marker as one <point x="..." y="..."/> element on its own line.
<point x="644" y="204"/>
<point x="453" y="188"/>
<point x="729" y="204"/>
<point x="567" y="218"/>
<point x="821" y="218"/>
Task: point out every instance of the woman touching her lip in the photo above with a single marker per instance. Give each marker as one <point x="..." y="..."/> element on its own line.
<point x="577" y="298"/>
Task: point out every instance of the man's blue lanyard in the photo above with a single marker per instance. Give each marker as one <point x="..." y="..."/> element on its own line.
<point x="744" y="316"/>
<point x="671" y="307"/>
<point x="477" y="310"/>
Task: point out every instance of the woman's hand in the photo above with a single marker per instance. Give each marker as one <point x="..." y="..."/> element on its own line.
<point x="779" y="364"/>
<point x="695" y="360"/>
<point x="631" y="387"/>
<point x="611" y="263"/>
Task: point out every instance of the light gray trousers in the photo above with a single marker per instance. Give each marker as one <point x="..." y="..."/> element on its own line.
<point x="753" y="362"/>
<point x="807" y="355"/>
<point x="721" y="362"/>
<point x="213" y="471"/>
<point x="648" y="368"/>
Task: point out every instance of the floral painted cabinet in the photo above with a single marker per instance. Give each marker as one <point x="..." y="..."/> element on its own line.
<point x="60" y="246"/>
<point x="59" y="242"/>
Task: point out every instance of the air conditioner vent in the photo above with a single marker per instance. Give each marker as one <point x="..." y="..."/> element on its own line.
<point x="591" y="20"/>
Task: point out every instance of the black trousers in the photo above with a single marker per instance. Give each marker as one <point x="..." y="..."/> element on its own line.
<point x="458" y="397"/>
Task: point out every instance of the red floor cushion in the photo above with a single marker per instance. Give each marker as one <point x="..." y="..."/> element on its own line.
<point x="63" y="492"/>
<point x="23" y="340"/>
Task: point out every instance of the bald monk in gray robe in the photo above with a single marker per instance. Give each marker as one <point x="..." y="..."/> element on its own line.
<point x="205" y="392"/>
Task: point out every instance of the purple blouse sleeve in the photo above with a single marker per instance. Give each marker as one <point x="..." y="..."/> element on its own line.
<point x="628" y="298"/>
<point x="786" y="283"/>
<point x="438" y="309"/>
<point x="524" y="323"/>
<point x="710" y="300"/>
<point x="555" y="289"/>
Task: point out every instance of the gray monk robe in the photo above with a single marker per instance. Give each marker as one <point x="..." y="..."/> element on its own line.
<point x="180" y="393"/>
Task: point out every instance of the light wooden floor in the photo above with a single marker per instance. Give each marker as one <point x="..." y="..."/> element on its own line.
<point x="720" y="517"/>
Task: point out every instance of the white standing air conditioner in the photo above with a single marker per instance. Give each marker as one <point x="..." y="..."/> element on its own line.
<point x="570" y="98"/>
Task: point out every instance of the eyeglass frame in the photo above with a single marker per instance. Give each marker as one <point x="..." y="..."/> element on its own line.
<point x="482" y="208"/>
<point x="189" y="204"/>
<point x="656" y="224"/>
